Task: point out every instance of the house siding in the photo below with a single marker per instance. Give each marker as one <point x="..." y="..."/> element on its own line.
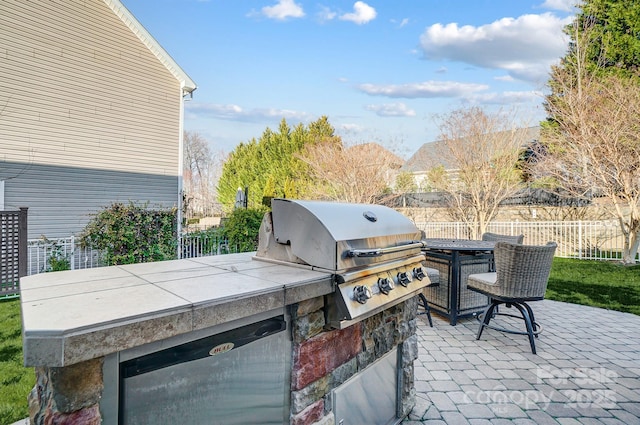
<point x="84" y="191"/>
<point x="88" y="114"/>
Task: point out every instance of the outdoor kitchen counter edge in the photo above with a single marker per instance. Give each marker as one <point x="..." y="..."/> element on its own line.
<point x="72" y="316"/>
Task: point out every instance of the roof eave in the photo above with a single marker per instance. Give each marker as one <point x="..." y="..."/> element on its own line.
<point x="187" y="84"/>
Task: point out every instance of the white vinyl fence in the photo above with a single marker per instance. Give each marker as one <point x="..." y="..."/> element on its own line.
<point x="44" y="254"/>
<point x="591" y="240"/>
<point x="588" y="240"/>
<point x="41" y="252"/>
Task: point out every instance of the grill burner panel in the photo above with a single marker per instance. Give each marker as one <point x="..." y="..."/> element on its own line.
<point x="344" y="307"/>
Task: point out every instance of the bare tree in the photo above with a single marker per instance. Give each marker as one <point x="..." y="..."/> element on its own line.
<point x="360" y="173"/>
<point x="593" y="148"/>
<point x="201" y="172"/>
<point x="475" y="164"/>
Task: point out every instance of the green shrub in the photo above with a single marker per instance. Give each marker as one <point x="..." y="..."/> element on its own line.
<point x="241" y="228"/>
<point x="132" y="233"/>
<point x="57" y="260"/>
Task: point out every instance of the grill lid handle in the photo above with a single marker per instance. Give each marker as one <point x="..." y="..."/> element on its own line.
<point x="378" y="252"/>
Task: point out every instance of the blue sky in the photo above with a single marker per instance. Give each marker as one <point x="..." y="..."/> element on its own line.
<point x="382" y="71"/>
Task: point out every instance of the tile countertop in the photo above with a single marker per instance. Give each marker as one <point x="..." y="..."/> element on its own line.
<point x="73" y="316"/>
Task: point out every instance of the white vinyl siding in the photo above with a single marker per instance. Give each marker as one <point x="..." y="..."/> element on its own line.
<point x="88" y="114"/>
<point x="78" y="88"/>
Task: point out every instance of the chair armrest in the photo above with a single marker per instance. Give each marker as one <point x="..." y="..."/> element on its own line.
<point x="433" y="275"/>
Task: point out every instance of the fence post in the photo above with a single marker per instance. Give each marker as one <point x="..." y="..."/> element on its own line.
<point x="580" y="239"/>
<point x="22" y="242"/>
<point x="72" y="263"/>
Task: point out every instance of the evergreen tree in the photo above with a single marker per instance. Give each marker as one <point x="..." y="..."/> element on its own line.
<point x="614" y="36"/>
<point x="269" y="166"/>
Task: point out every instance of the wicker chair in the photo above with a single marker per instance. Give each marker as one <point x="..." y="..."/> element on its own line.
<point x="495" y="237"/>
<point x="522" y="273"/>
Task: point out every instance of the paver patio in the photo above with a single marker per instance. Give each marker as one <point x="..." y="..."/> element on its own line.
<point x="586" y="372"/>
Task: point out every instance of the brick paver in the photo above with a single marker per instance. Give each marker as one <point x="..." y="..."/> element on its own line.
<point x="586" y="372"/>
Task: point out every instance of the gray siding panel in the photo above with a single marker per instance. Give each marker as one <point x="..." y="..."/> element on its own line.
<point x="62" y="200"/>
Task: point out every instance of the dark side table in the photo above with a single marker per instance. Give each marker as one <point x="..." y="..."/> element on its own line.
<point x="456" y="259"/>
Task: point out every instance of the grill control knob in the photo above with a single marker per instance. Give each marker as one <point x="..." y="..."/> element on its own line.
<point x="385" y="284"/>
<point x="404" y="278"/>
<point x="361" y="294"/>
<point x="418" y="273"/>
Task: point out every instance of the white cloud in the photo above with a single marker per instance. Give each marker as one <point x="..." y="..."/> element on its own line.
<point x="525" y="47"/>
<point x="507" y="78"/>
<point x="350" y="128"/>
<point x="401" y="23"/>
<point x="362" y="13"/>
<point x="427" y="89"/>
<point x="325" y="14"/>
<point x="282" y="10"/>
<point x="391" y="110"/>
<point x="563" y="5"/>
<point x="506" y="98"/>
<point x="232" y="112"/>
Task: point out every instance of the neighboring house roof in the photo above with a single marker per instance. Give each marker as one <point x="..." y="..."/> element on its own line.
<point x="422" y="160"/>
<point x="188" y="85"/>
<point x="394" y="160"/>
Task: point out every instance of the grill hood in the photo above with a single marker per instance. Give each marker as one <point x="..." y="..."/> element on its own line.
<point x="335" y="236"/>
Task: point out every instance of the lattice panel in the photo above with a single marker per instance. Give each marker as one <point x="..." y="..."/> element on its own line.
<point x="9" y="252"/>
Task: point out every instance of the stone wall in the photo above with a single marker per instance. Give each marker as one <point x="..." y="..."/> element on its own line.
<point x="324" y="359"/>
<point x="67" y="395"/>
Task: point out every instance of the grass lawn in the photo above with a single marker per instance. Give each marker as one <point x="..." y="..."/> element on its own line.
<point x="599" y="284"/>
<point x="595" y="283"/>
<point x="16" y="380"/>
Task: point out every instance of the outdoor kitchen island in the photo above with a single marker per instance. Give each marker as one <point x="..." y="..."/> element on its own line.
<point x="221" y="340"/>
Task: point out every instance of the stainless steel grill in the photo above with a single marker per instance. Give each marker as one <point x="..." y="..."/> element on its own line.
<point x="374" y="252"/>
